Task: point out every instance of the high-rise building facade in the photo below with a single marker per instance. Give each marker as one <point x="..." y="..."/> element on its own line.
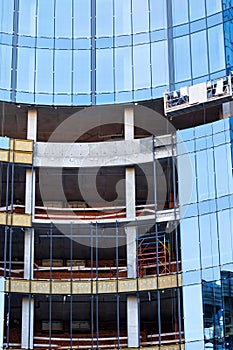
<point x="116" y="157"/>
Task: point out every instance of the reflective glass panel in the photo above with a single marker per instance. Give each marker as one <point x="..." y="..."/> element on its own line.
<point x="159" y="63"/>
<point x="190" y="250"/>
<point x="141" y="58"/>
<point x="213" y="6"/>
<point x="182" y="59"/>
<point x="44" y="70"/>
<point x="104" y="70"/>
<point x="158" y="14"/>
<point x="122" y="17"/>
<point x="216" y="48"/>
<point x="5" y="69"/>
<point x="62" y="71"/>
<point x="27" y="17"/>
<point x="225" y="241"/>
<point x="123" y="69"/>
<point x="63" y="15"/>
<point x="140" y="16"/>
<point x="104" y="18"/>
<point x="179" y="11"/>
<point x="82" y="73"/>
<point x="45" y="20"/>
<point x="6" y="17"/>
<point x="82" y="18"/>
<point x="197" y="9"/>
<point x="26" y="68"/>
<point x="199" y="54"/>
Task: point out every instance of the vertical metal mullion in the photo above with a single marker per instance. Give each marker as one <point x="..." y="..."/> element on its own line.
<point x="92" y="296"/>
<point x="171" y="61"/>
<point x="176" y="240"/>
<point x="50" y="287"/>
<point x="14" y="51"/>
<point x="8" y="319"/>
<point x="117" y="293"/>
<point x="93" y="52"/>
<point x="71" y="286"/>
<point x="5" y="249"/>
<point x="97" y="297"/>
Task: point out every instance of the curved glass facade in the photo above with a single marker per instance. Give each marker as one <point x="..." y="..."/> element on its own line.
<point x="83" y="52"/>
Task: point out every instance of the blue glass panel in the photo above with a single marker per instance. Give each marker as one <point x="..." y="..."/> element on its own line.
<point x="190" y="250"/>
<point x="45" y="20"/>
<point x="214" y="20"/>
<point x="27" y="17"/>
<point x="141" y="58"/>
<point x="182" y="58"/>
<point x="197" y="9"/>
<point x="158" y="15"/>
<point x="211" y="177"/>
<point x="202" y="175"/>
<point x="63" y="22"/>
<point x="62" y="71"/>
<point x="104" y="18"/>
<point x="104" y="70"/>
<point x="192" y="295"/>
<point x="123" y="69"/>
<point x="140" y="14"/>
<point x="179" y="11"/>
<point x="216" y="48"/>
<point x="5" y="66"/>
<point x="25" y="69"/>
<point x="82" y="73"/>
<point x="141" y="38"/>
<point x="187" y="179"/>
<point x="199" y="54"/>
<point x="158" y="35"/>
<point x="43" y="99"/>
<point x="209" y="241"/>
<point x="6" y="17"/>
<point x="63" y="43"/>
<point x="159" y="63"/>
<point x="181" y="30"/>
<point x="213" y="6"/>
<point x="122" y="17"/>
<point x="45" y="43"/>
<point x="82" y="18"/>
<point x="223" y="169"/>
<point x="26" y="41"/>
<point x="44" y="70"/>
<point x="197" y="25"/>
<point x="225" y="240"/>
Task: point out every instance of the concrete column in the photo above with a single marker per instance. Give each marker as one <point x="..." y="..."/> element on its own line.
<point x="27" y="323"/>
<point x="27" y="303"/>
<point x="2" y="302"/>
<point x="132" y="301"/>
<point x="132" y="322"/>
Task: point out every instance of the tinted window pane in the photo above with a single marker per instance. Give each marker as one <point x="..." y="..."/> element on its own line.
<point x="5" y="69"/>
<point x="44" y="70"/>
<point x="140" y="16"/>
<point x="158" y="14"/>
<point x="45" y="21"/>
<point x="63" y="23"/>
<point x="197" y="9"/>
<point x="82" y="18"/>
<point x="213" y="6"/>
<point x="199" y="54"/>
<point x="122" y="17"/>
<point x="216" y="51"/>
<point x="141" y="58"/>
<point x="27" y="17"/>
<point x="123" y="68"/>
<point x="182" y="59"/>
<point x="62" y="70"/>
<point x="25" y="71"/>
<point x="104" y="70"/>
<point x="104" y="18"/>
<point x="82" y="71"/>
<point x="179" y="11"/>
<point x="190" y="250"/>
<point x="159" y="63"/>
<point x="6" y="18"/>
